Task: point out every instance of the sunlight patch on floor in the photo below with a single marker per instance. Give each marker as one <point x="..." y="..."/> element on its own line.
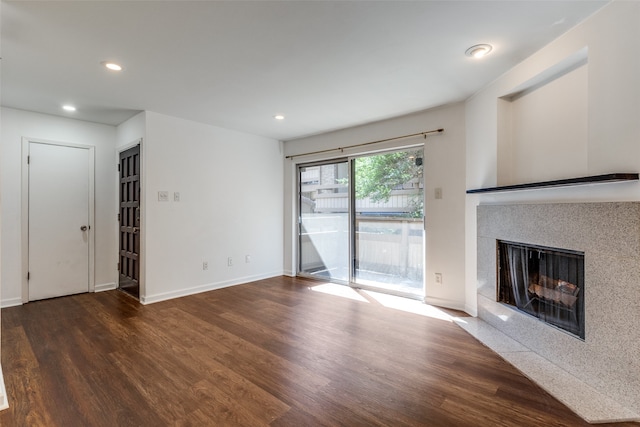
<point x="339" y="291"/>
<point x="390" y="301"/>
<point x="408" y="305"/>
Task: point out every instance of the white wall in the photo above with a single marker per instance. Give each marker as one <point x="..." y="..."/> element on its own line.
<point x="613" y="131"/>
<point x="17" y="124"/>
<point x="230" y="187"/>
<point x="548" y="131"/>
<point x="3" y="394"/>
<point x="130" y="131"/>
<point x="613" y="97"/>
<point x="444" y="167"/>
<point x="231" y="205"/>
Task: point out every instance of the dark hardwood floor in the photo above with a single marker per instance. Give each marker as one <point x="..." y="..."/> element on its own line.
<point x="271" y="353"/>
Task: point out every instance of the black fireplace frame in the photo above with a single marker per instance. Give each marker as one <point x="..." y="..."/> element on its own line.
<point x="556" y="301"/>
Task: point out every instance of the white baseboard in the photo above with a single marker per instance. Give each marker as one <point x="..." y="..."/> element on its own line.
<point x="11" y="302"/>
<point x="4" y="400"/>
<point x="471" y="311"/>
<point x="105" y="287"/>
<point x="445" y="303"/>
<point x="150" y="299"/>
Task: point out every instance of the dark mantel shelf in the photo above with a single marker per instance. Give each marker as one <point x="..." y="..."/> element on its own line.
<point x="596" y="179"/>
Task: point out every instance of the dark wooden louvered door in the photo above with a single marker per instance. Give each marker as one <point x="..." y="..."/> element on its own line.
<point x="129" y="218"/>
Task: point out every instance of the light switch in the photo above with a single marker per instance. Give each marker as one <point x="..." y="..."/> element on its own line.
<point x="438" y="192"/>
<point x="163" y="196"/>
<point x="176" y="196"/>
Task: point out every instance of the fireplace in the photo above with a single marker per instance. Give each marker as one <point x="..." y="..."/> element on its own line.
<point x="544" y="282"/>
<point x="606" y="359"/>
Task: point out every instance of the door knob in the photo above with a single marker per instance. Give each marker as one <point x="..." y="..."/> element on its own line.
<point x="84" y="228"/>
<point x="135" y="230"/>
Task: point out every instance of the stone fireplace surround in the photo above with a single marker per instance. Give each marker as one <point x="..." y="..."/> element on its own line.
<point x="599" y="378"/>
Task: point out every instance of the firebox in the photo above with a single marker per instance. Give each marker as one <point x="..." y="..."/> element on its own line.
<point x="547" y="283"/>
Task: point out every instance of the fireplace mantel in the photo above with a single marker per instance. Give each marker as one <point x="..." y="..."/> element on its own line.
<point x="594" y="179"/>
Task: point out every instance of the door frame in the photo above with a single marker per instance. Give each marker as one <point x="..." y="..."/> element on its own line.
<point x="25" y="210"/>
<point x="143" y="223"/>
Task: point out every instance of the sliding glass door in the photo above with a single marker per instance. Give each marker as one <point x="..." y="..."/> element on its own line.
<point x="389" y="222"/>
<point x="323" y="207"/>
<point x="361" y="222"/>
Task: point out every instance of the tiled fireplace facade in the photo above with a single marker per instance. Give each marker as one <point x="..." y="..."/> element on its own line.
<point x="608" y="359"/>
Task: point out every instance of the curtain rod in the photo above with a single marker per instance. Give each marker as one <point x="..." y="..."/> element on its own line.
<point x="341" y="149"/>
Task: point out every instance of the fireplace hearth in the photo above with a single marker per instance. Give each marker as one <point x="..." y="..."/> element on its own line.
<point x="547" y="283"/>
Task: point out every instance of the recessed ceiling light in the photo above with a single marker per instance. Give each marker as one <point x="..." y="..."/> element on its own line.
<point x="69" y="108"/>
<point x="479" y="50"/>
<point x="278" y="117"/>
<point x="112" y="66"/>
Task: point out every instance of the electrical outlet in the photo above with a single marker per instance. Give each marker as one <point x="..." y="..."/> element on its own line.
<point x="176" y="196"/>
<point x="229" y="262"/>
<point x="205" y="265"/>
<point x="247" y="259"/>
<point x="438" y="193"/>
<point x="439" y="278"/>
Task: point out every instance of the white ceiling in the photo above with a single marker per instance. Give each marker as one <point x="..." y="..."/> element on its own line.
<point x="325" y="65"/>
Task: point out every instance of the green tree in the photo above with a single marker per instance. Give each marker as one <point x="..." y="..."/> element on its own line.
<point x="377" y="176"/>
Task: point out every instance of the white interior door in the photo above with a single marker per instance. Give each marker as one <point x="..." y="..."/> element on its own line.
<point x="59" y="214"/>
